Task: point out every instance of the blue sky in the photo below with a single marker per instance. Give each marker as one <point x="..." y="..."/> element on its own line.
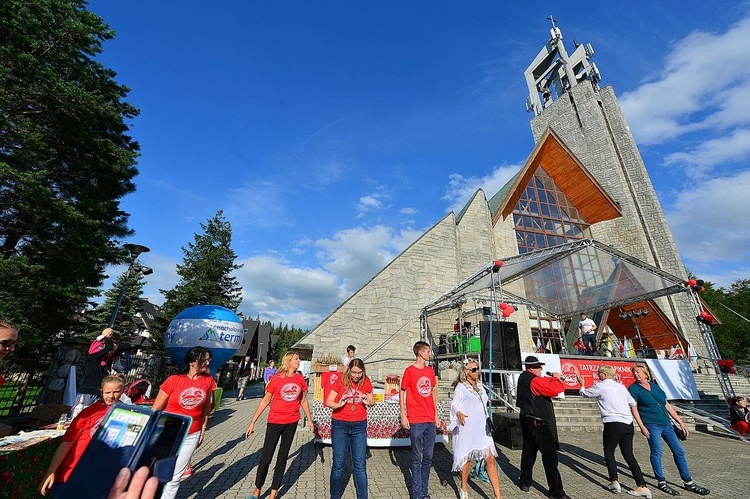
<point x="332" y="134"/>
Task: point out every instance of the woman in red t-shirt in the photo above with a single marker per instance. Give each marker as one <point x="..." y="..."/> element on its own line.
<point x="286" y="391"/>
<point x="188" y="392"/>
<point x="79" y="434"/>
<point x="349" y="397"/>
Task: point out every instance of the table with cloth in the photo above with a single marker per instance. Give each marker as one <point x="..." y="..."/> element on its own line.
<point x="24" y="459"/>
<point x="383" y="424"/>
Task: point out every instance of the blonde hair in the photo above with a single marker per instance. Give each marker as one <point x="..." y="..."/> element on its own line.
<point x="462" y="376"/>
<point x="285" y="361"/>
<point x="643" y="367"/>
<point x="113" y="378"/>
<point x="607" y="370"/>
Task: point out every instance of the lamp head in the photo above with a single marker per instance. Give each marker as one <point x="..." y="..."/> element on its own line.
<point x="135" y="249"/>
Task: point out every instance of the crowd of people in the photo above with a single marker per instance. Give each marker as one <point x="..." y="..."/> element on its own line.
<point x="189" y="393"/>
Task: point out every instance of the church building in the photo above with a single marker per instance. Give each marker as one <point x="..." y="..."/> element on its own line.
<point x="584" y="180"/>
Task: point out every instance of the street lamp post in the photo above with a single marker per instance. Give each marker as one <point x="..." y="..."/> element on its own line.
<point x="135" y="251"/>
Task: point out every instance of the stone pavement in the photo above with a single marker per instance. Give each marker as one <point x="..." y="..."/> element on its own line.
<point x="225" y="465"/>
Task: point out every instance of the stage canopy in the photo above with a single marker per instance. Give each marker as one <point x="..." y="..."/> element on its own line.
<point x="565" y="280"/>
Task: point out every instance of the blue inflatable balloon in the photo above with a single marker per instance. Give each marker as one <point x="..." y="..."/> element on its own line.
<point x="216" y="328"/>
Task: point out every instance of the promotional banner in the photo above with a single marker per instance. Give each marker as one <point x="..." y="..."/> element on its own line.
<point x="587" y="368"/>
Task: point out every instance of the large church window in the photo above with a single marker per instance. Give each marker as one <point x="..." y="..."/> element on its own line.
<point x="545" y="217"/>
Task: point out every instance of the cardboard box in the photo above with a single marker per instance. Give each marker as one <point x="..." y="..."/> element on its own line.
<point x="46" y="414"/>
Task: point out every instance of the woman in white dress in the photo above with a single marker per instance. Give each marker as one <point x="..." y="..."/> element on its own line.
<point x="470" y="440"/>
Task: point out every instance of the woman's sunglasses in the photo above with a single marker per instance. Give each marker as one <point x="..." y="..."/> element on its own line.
<point x="474" y="369"/>
<point x="8" y="343"/>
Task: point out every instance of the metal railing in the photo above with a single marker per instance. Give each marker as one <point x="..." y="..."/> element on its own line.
<point x="24" y="381"/>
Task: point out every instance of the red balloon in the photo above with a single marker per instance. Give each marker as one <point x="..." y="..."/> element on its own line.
<point x="692" y="282"/>
<point x="503" y="305"/>
<point x="507" y="311"/>
<point x="498" y="263"/>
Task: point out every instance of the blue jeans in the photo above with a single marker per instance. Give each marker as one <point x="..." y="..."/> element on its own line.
<point x="657" y="432"/>
<point x="349" y="436"/>
<point x="422" y="436"/>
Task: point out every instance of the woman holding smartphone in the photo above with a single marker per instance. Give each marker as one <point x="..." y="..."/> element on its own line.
<point x="286" y="392"/>
<point x="189" y="393"/>
<point x="79" y="433"/>
<point x="349" y="398"/>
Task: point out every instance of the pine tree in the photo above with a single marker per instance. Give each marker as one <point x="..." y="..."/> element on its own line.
<point x="65" y="162"/>
<point x="126" y="323"/>
<point x="205" y="275"/>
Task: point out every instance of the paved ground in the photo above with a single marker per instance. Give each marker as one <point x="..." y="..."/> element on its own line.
<point x="226" y="463"/>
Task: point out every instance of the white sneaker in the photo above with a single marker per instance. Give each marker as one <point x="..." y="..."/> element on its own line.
<point x="464" y="494"/>
<point x="744" y="439"/>
<point x="614" y="487"/>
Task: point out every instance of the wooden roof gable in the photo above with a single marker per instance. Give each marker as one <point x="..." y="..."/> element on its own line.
<point x="570" y="176"/>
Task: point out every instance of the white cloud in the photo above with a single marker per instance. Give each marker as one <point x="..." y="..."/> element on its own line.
<point x="281" y="290"/>
<point x="710" y="225"/>
<point x="729" y="148"/>
<point x="261" y="204"/>
<point x="356" y="255"/>
<point x="460" y="188"/>
<point x="703" y="87"/>
<point x="409" y="211"/>
<point x="370" y="202"/>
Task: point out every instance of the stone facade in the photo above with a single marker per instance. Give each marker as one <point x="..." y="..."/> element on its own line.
<point x="593" y="126"/>
<point x="382" y="318"/>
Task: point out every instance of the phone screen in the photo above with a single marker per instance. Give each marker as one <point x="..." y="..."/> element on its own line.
<point x="165" y="440"/>
<point x="123" y="427"/>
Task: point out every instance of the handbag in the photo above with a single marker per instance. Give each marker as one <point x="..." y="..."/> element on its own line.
<point x="675" y="427"/>
<point x="678" y="430"/>
<point x="489" y="426"/>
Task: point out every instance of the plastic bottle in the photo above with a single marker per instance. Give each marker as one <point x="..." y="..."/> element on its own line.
<point x="62" y="421"/>
<point x="77" y="408"/>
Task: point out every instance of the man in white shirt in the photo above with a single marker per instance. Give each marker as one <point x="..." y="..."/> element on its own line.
<point x="350" y="350"/>
<point x="587" y="333"/>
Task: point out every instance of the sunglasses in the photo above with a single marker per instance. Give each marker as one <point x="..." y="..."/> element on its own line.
<point x="8" y="343"/>
<point x="474" y="369"/>
<point x="356" y="373"/>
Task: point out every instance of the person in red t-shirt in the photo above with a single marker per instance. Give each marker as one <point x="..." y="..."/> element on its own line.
<point x="349" y="397"/>
<point x="418" y="402"/>
<point x="190" y="393"/>
<point x="79" y="434"/>
<point x="286" y="392"/>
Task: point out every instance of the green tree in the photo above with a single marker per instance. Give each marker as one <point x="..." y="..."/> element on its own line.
<point x="126" y="323"/>
<point x="732" y="335"/>
<point x="287" y="336"/>
<point x="205" y="275"/>
<point x="65" y="162"/>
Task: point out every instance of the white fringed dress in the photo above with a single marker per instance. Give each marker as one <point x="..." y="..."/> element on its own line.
<point x="470" y="442"/>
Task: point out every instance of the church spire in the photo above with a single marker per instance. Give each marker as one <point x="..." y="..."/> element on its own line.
<point x="553" y="72"/>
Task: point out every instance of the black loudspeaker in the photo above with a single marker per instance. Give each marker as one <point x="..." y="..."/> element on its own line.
<point x="508" y="430"/>
<point x="506" y="351"/>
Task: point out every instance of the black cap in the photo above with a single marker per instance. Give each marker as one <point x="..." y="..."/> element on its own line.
<point x="532" y="361"/>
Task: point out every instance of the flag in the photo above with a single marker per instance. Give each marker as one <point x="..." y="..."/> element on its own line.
<point x="631" y="350"/>
<point x="622" y="349"/>
<point x="608" y="353"/>
<point x="549" y="347"/>
<point x="539" y="348"/>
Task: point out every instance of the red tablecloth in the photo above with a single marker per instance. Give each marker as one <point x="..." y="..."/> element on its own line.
<point x="22" y="470"/>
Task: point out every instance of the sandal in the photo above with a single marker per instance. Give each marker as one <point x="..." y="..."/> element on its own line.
<point x="664" y="487"/>
<point x="701" y="491"/>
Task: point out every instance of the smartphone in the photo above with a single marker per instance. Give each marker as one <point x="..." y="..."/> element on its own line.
<point x="128" y="436"/>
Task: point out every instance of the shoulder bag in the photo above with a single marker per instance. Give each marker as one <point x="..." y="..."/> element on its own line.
<point x="677" y="428"/>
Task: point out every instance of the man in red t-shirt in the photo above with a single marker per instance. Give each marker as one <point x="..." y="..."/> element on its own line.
<point x="79" y="434"/>
<point x="418" y="402"/>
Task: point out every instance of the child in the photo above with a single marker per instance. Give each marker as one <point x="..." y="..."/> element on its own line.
<point x="580" y="346"/>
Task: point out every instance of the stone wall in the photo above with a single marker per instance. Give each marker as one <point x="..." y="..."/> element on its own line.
<point x="593" y="126"/>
